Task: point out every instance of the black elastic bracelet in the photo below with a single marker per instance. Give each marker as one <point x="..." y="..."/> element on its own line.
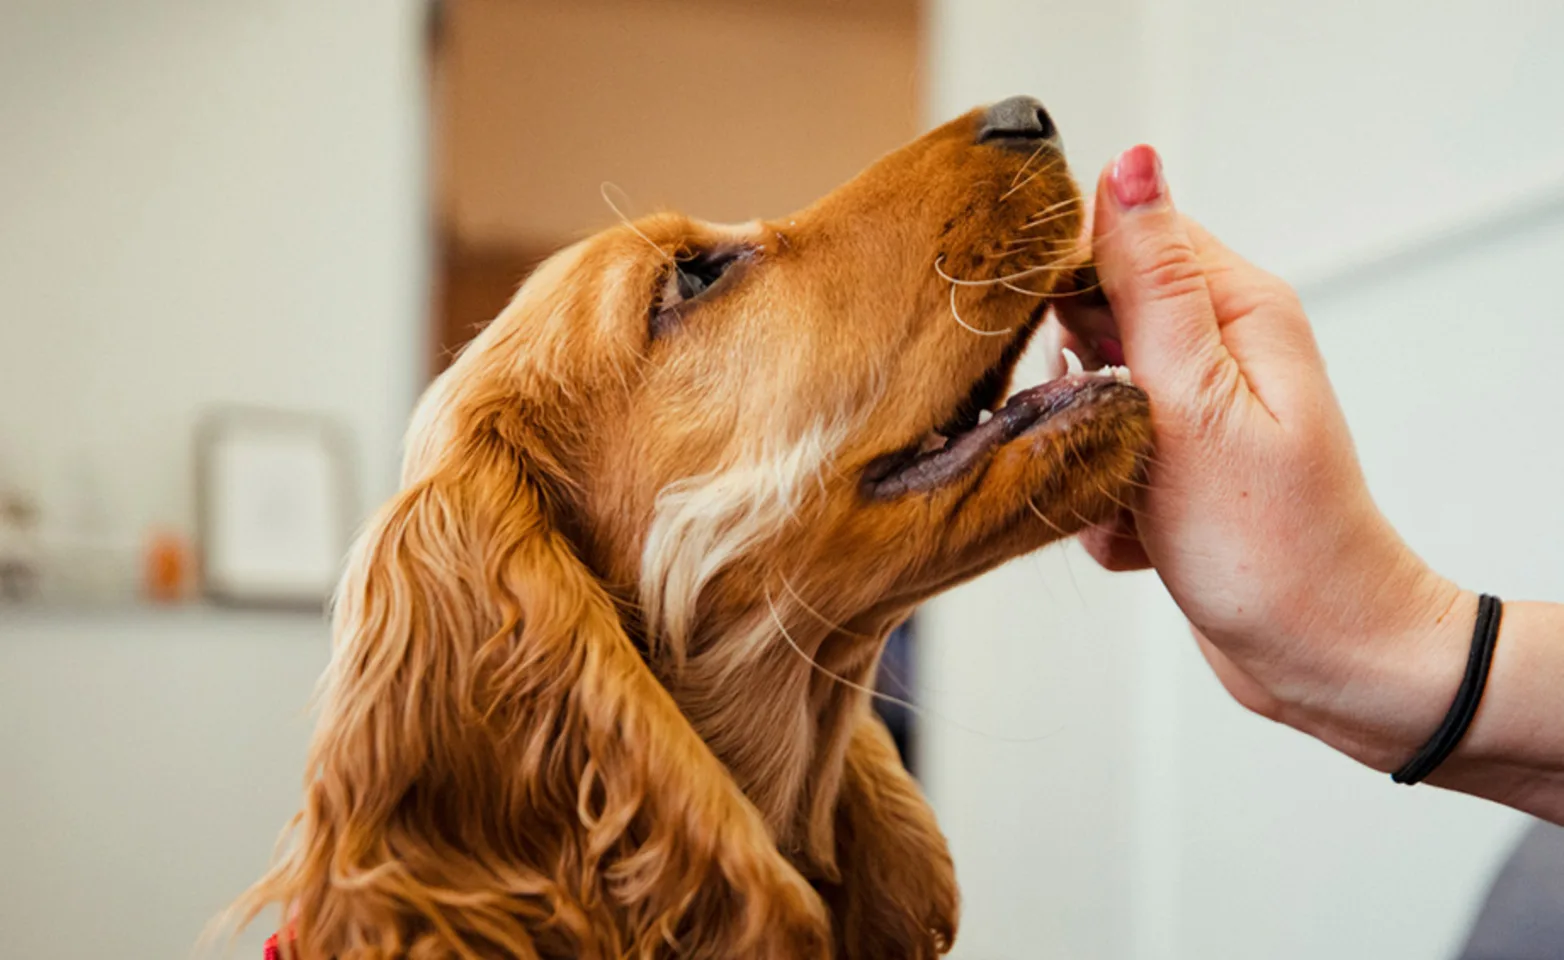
<point x="1444" y="741"/>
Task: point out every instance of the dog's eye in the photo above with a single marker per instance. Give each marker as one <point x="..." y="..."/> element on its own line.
<point x="687" y="281"/>
<point x="692" y="281"/>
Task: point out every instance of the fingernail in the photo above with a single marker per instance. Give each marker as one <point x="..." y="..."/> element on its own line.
<point x="1137" y="177"/>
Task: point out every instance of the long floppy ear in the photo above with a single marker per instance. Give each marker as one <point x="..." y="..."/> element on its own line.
<point x="496" y="772"/>
<point x="897" y="894"/>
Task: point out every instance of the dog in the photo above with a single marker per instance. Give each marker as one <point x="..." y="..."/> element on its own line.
<point x="601" y="670"/>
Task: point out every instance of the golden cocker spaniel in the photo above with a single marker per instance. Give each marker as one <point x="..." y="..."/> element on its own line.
<point x="600" y="668"/>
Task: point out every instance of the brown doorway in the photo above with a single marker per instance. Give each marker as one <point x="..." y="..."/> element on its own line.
<point x="723" y="109"/>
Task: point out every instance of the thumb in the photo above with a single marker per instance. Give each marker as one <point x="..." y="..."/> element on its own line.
<point x="1155" y="282"/>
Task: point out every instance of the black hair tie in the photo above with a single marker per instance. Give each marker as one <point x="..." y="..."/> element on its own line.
<point x="1444" y="741"/>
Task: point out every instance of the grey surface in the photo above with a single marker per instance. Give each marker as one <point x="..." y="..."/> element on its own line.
<point x="1523" y="918"/>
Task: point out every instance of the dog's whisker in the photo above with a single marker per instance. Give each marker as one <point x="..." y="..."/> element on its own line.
<point x="969" y="327"/>
<point x="880" y="695"/>
<point x="776" y="618"/>
<point x="603" y="192"/>
<point x="1137" y="484"/>
<point x="901" y="685"/>
<point x="1035" y="224"/>
<point x="1062" y="208"/>
<point x="1108" y="495"/>
<point x="1071" y="244"/>
<point x="1053" y="214"/>
<point x="1025" y="292"/>
<point x="1032" y="506"/>
<point x="1061" y="265"/>
<point x="1045" y="168"/>
<point x="1025" y="231"/>
<point x="835" y="627"/>
<point x="1069" y="568"/>
<point x="1035" y="154"/>
<point x="1061" y="204"/>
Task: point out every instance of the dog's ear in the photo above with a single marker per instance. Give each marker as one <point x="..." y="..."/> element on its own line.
<point x="896" y="892"/>
<point x="495" y="770"/>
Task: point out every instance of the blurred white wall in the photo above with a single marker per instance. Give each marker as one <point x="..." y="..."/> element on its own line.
<point x="147" y="764"/>
<point x="201" y="202"/>
<point x="1400" y="163"/>
<point x="226" y="201"/>
<point x="204" y="202"/>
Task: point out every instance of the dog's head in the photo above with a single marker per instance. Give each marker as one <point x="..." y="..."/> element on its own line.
<point x="686" y="458"/>
<point x="814" y="405"/>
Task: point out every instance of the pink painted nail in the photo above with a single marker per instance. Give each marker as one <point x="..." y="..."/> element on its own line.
<point x="1137" y="177"/>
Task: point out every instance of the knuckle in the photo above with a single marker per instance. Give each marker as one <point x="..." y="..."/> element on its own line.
<point x="1171" y="268"/>
<point x="1280" y="296"/>
<point x="1208" y="396"/>
<point x="1287" y="293"/>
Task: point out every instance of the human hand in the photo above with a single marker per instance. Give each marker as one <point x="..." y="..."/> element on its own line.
<point x="1307" y="604"/>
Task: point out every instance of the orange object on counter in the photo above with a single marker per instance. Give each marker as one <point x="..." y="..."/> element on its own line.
<point x="169" y="565"/>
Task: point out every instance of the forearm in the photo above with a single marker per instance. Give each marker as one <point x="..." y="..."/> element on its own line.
<point x="1514" y="751"/>
<point x="1390" y="701"/>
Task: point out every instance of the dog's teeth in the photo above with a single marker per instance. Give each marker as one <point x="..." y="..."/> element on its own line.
<point x="985" y="416"/>
<point x="1121" y="374"/>
<point x="1072" y="363"/>
<point x="931" y="443"/>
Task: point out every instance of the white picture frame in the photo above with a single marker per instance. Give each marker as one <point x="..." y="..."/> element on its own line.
<point x="274" y="510"/>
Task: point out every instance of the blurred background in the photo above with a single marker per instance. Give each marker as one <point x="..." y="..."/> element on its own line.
<point x="237" y="237"/>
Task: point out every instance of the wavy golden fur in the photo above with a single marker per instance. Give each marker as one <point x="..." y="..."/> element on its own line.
<point x="587" y="697"/>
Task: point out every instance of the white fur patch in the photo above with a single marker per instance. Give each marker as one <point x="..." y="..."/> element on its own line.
<point x="702" y="524"/>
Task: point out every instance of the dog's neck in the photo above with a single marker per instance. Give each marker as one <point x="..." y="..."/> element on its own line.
<point x="782" y="719"/>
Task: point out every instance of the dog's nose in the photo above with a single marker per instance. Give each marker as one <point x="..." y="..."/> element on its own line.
<point x="1019" y="122"/>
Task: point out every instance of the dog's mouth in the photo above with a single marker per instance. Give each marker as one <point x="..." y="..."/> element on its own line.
<point x="980" y="424"/>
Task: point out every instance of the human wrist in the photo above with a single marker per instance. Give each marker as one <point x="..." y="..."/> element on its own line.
<point x="1396" y="661"/>
<point x="1389" y="693"/>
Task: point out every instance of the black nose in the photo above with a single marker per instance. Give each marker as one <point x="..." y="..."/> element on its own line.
<point x="1020" y="122"/>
